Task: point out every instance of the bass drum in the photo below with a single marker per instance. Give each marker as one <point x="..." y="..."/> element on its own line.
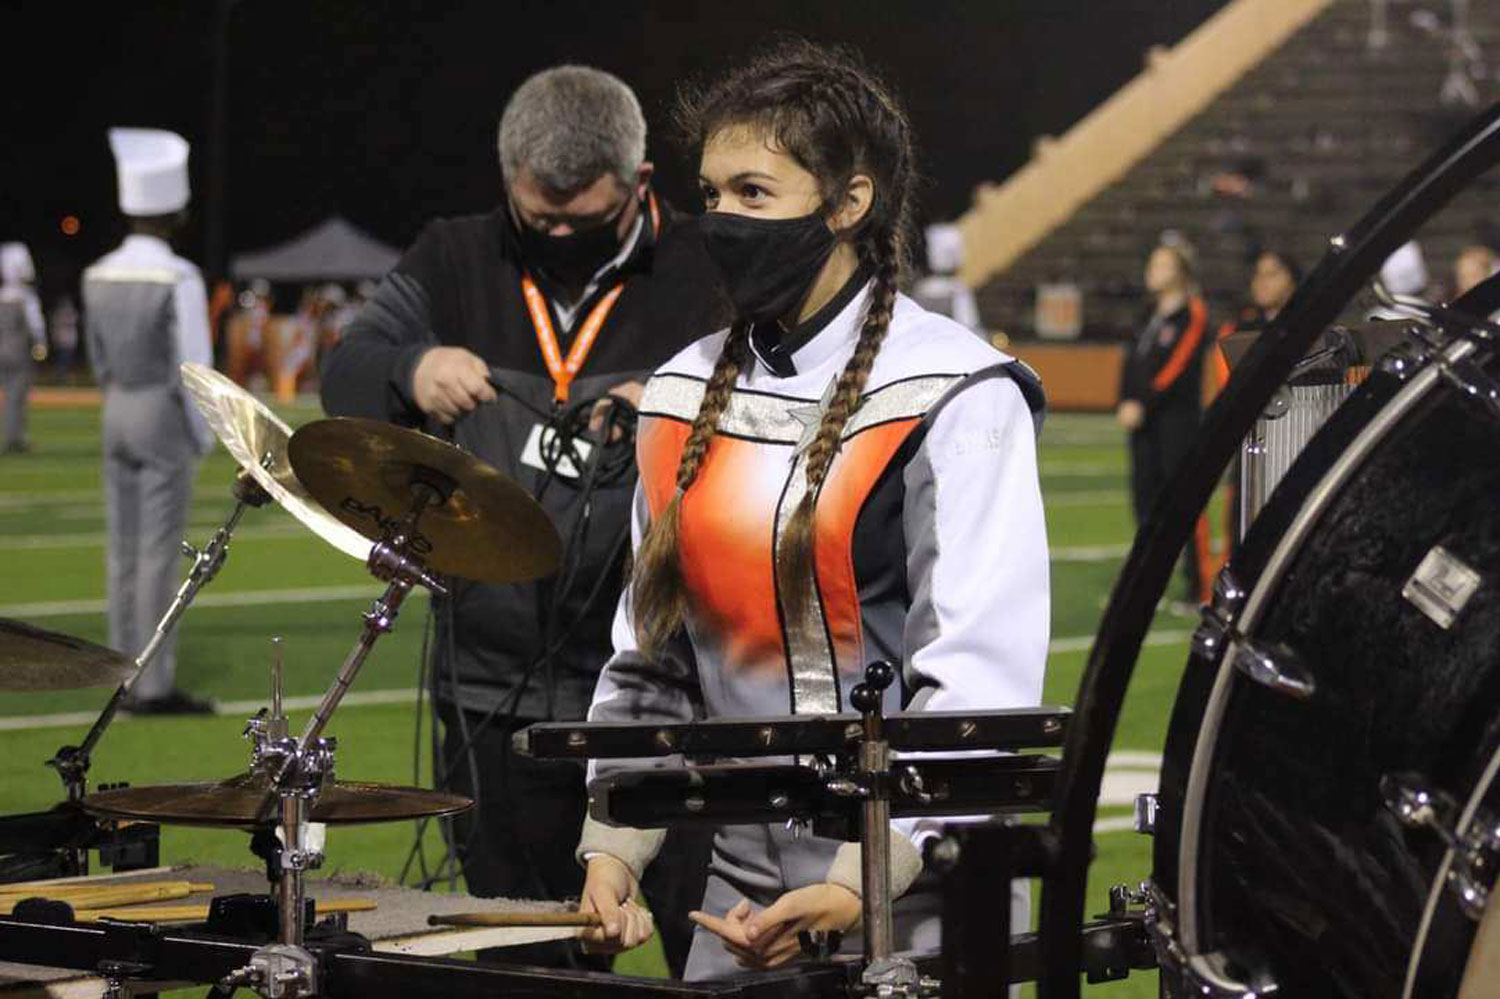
<point x="1327" y="817"/>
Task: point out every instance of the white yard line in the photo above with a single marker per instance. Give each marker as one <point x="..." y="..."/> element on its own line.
<point x="290" y="529"/>
<point x="1089" y="553"/>
<point x="1115" y="823"/>
<point x="1085" y="497"/>
<point x="98" y="539"/>
<point x="1082" y="643"/>
<point x="1129" y="759"/>
<point x="46" y="497"/>
<point x="79" y="719"/>
<point x="241" y="598"/>
<point x="1069" y="469"/>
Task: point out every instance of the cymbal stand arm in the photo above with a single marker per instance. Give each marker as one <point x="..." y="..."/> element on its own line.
<point x="389" y="562"/>
<point x="72" y="762"/>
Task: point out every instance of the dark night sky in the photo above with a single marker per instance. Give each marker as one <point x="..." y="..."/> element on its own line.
<point x="386" y="111"/>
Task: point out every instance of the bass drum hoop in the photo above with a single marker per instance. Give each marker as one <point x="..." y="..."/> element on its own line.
<point x="1205" y="746"/>
<point x="1439" y="890"/>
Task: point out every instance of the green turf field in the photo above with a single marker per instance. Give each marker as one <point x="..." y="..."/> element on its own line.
<point x="279" y="580"/>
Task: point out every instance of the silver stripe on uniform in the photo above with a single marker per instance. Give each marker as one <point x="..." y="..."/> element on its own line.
<point x="772" y="418"/>
<point x="813" y="670"/>
<point x="140" y="275"/>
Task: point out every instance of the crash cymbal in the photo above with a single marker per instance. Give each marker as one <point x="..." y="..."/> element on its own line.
<point x="365" y="472"/>
<point x="257" y="438"/>
<point x="244" y="801"/>
<point x="35" y="659"/>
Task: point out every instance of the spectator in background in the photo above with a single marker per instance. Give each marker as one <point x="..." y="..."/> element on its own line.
<point x="1275" y="277"/>
<point x="1161" y="393"/>
<point x="245" y="333"/>
<point x="941" y="291"/>
<point x="62" y="327"/>
<point x="1474" y="263"/>
<point x="23" y="339"/>
<point x="1404" y="273"/>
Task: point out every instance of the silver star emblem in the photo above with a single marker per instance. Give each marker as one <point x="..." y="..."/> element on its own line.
<point x="811" y="418"/>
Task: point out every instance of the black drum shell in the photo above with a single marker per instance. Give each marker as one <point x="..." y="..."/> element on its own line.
<point x="1309" y="877"/>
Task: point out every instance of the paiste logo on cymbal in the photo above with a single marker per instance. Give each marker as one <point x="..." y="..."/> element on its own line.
<point x="417" y="543"/>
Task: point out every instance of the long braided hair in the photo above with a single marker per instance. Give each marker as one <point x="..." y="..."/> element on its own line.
<point x="824" y="109"/>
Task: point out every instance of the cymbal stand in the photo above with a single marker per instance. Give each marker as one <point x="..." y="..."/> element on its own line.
<point x="297" y="768"/>
<point x="285" y="969"/>
<point x="72" y="762"/>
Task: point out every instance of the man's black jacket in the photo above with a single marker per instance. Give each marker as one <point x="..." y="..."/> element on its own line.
<point x="460" y="285"/>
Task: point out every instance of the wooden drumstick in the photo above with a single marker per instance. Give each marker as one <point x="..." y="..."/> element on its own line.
<point x="543" y="917"/>
<point x="63" y="891"/>
<point x="198" y="913"/>
<point x="117" y="895"/>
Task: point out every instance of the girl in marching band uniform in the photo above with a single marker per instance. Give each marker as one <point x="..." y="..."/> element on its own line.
<point x="839" y="477"/>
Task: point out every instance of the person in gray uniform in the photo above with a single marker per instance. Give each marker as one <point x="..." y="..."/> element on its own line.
<point x="146" y="313"/>
<point x="22" y="338"/>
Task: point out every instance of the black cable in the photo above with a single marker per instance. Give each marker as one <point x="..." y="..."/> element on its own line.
<point x="417" y="854"/>
<point x="608" y="462"/>
<point x="551" y="612"/>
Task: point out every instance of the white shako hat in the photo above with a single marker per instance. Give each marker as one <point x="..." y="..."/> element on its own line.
<point x="152" y="167"/>
<point x="15" y="264"/>
<point x="945" y="248"/>
<point x="1405" y="271"/>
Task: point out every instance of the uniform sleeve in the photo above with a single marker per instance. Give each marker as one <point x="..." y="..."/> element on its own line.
<point x="633" y="687"/>
<point x="977" y="630"/>
<point x="369" y="371"/>
<point x="194" y="343"/>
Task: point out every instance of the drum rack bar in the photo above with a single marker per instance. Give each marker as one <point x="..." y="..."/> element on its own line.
<point x="1011" y="729"/>
<point x="146" y="953"/>
<point x="741" y="793"/>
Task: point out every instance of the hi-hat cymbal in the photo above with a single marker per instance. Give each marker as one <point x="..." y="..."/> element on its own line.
<point x="35" y="659"/>
<point x="257" y="438"/>
<point x="245" y="801"/>
<point x="365" y="472"/>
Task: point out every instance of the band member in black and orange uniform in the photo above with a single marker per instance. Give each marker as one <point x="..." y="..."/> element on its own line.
<point x="1161" y="393"/>
<point x="838" y="477"/>
<point x="1275" y="277"/>
<point x="579" y="284"/>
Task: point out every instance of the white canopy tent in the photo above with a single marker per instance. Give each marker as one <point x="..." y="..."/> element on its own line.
<point x="333" y="250"/>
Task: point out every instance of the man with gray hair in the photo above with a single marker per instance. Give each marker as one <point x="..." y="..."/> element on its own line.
<point x="512" y="332"/>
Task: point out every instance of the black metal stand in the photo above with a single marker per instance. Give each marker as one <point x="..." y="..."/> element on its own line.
<point x="72" y="762"/>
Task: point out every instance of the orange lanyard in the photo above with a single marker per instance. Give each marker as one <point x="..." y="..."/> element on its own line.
<point x="564" y="370"/>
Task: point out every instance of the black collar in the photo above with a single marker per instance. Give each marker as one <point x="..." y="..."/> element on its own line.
<point x="774" y="347"/>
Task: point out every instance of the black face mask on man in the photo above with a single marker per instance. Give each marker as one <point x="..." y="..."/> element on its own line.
<point x="767" y="264"/>
<point x="575" y="258"/>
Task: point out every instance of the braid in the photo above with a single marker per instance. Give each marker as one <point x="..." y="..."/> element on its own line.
<point x="659" y="593"/>
<point x="795" y="556"/>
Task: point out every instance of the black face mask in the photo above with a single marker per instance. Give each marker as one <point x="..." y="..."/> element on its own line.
<point x="767" y="264"/>
<point x="575" y="258"/>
